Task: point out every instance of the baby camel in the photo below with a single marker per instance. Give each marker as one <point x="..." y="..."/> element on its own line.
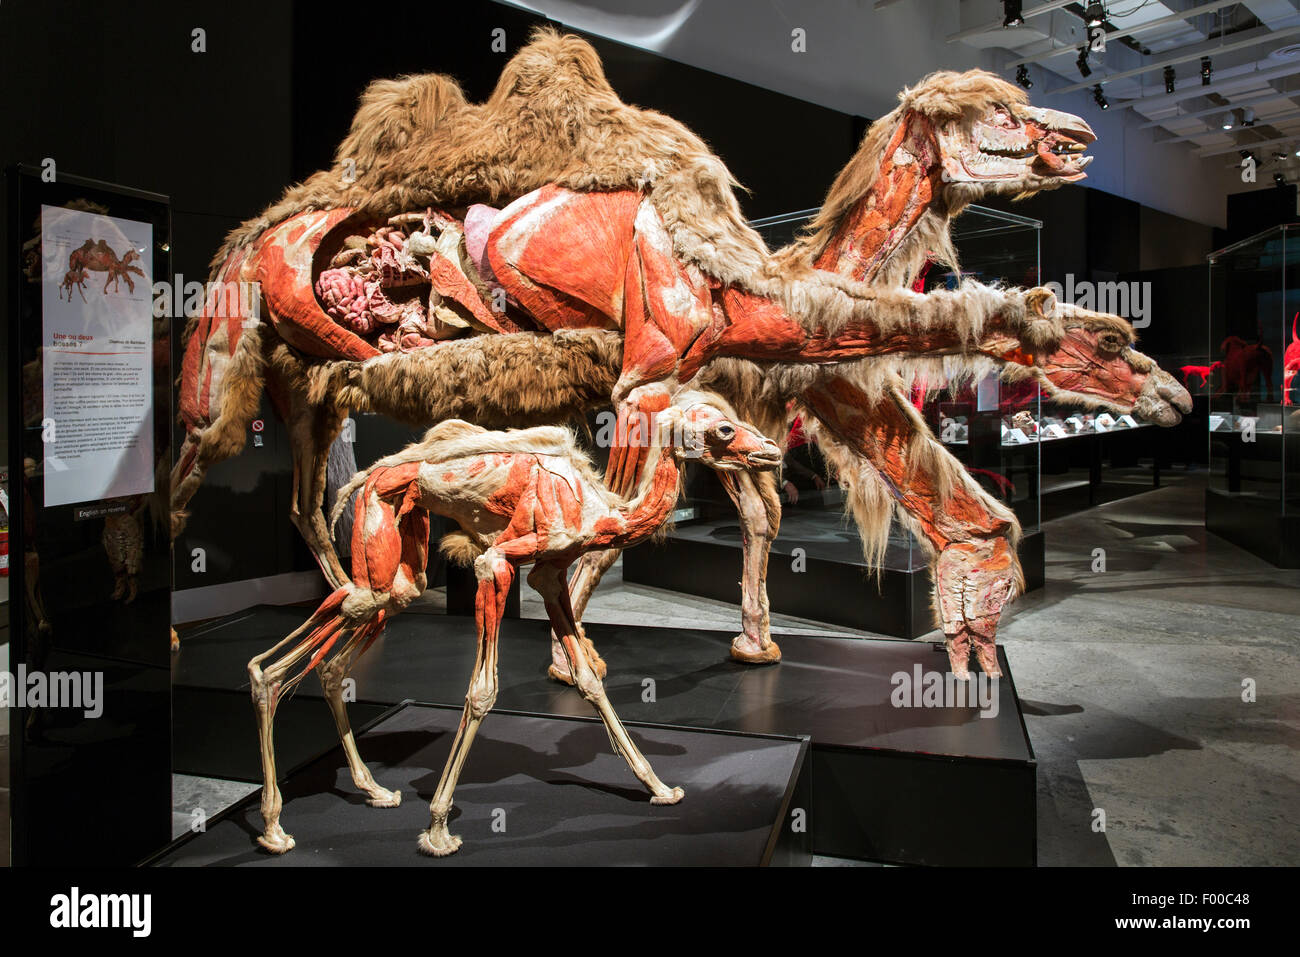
<point x="524" y="496"/>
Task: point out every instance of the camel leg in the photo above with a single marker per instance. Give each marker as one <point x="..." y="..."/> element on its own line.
<point x="548" y="579"/>
<point x="759" y="507"/>
<point x="332" y="675"/>
<point x="972" y="536"/>
<point x="312" y="429"/>
<point x="268" y="687"/>
<point x="495" y="575"/>
<point x="591" y="569"/>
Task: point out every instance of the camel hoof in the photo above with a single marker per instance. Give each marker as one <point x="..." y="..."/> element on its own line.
<point x="382" y="797"/>
<point x="672" y="797"/>
<point x="277" y="842"/>
<point x="563" y="677"/>
<point x="742" y="650"/>
<point x="438" y="843"/>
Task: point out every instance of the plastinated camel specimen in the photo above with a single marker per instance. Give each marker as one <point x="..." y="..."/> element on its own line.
<point x="520" y="497"/>
<point x="620" y="259"/>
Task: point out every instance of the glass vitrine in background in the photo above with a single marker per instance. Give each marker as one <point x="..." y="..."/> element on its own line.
<point x="993" y="427"/>
<point x="1253" y="497"/>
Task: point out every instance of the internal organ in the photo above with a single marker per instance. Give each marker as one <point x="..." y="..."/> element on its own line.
<point x="408" y="284"/>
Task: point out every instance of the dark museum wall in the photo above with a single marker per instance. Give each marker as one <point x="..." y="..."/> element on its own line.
<point x="131" y="103"/>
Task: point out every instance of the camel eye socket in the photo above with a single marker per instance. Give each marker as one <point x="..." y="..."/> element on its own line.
<point x="1111" y="342"/>
<point x="725" y="432"/>
<point x="1002" y="117"/>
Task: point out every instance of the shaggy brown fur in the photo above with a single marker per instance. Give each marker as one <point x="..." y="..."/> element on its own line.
<point x="553" y="118"/>
<point x="498" y="381"/>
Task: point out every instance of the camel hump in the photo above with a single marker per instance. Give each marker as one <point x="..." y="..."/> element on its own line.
<point x="392" y="112"/>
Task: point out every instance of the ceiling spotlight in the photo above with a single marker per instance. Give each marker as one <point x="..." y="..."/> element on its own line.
<point x="1095" y="15"/>
<point x="1207" y="71"/>
<point x="1022" y="77"/>
<point x="1297" y="152"/>
<point x="1011" y="14"/>
<point x="1170" y="77"/>
<point x="1279" y="156"/>
<point x="1085" y="71"/>
<point x="1100" y="98"/>
<point x="1228" y="121"/>
<point x="1248" y="117"/>
<point x="1279" y="179"/>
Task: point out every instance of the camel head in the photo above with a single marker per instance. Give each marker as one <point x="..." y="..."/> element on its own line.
<point x="953" y="139"/>
<point x="1090" y="361"/>
<point x="710" y="432"/>
<point x="990" y="140"/>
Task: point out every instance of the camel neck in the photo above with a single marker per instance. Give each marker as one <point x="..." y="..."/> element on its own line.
<point x="878" y="224"/>
<point x="656" y="494"/>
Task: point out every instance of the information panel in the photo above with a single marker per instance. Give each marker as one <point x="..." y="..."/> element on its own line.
<point x="97" y="352"/>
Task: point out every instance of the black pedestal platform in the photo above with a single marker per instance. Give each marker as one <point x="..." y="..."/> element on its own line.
<point x="1255" y="524"/>
<point x="815" y="571"/>
<point x="535" y="791"/>
<point x="908" y="785"/>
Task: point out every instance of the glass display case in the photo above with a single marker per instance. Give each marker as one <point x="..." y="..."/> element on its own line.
<point x="991" y="426"/>
<point x="1253" y="498"/>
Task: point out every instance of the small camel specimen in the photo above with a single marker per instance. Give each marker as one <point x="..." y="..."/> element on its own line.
<point x="74" y="279"/>
<point x="521" y="497"/>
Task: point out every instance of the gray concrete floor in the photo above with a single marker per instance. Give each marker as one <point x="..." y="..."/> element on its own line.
<point x="1131" y="680"/>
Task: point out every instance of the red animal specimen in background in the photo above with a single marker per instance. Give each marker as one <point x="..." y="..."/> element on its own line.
<point x="1290" y="362"/>
<point x="1204" y="372"/>
<point x="1243" y="364"/>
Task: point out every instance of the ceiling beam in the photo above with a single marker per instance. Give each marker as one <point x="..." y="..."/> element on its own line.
<point x="1162" y="100"/>
<point x="1237" y="127"/>
<point x="1244" y="101"/>
<point x="1206" y="152"/>
<point x="1191" y="12"/>
<point x="1181" y="58"/>
<point x="997" y="24"/>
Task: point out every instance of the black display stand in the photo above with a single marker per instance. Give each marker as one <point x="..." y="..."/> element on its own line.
<point x="815" y="571"/>
<point x="906" y="785"/>
<point x="65" y="623"/>
<point x="1255" y="524"/>
<point x="538" y="790"/>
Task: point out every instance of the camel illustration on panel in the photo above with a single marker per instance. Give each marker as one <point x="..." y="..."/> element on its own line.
<point x="585" y="249"/>
<point x="74" y="279"/>
<point x="98" y="256"/>
<point x="521" y="497"/>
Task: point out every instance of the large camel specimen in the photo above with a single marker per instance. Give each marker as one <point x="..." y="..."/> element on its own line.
<point x="621" y="259"/>
<point x="520" y="497"/>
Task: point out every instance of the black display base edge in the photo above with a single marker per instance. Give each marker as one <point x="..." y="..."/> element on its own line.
<point x="786" y="845"/>
<point x="896" y="604"/>
<point x="1256" y="525"/>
